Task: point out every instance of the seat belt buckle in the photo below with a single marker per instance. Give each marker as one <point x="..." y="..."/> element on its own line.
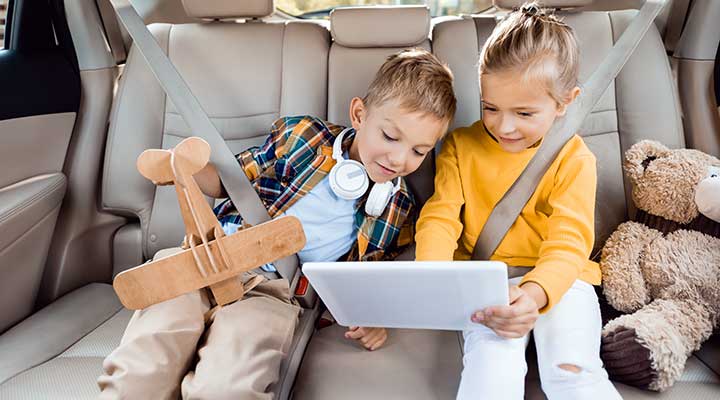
<point x="305" y="294"/>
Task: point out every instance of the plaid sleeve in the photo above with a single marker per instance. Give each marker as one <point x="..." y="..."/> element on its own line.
<point x="256" y="160"/>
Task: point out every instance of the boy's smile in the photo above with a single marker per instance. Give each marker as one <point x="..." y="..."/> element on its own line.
<point x="391" y="141"/>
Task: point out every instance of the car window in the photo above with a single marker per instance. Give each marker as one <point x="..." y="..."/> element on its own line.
<point x="321" y="8"/>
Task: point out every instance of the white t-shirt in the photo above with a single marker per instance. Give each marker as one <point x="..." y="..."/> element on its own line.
<point x="328" y="222"/>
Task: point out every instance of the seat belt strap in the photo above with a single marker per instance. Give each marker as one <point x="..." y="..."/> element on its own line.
<point x="508" y="209"/>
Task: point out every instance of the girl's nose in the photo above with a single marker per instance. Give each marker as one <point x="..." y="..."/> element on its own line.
<point x="506" y="125"/>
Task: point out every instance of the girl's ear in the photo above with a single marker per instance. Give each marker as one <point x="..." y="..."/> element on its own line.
<point x="562" y="107"/>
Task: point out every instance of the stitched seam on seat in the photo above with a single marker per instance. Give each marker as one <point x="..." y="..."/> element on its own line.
<point x="238" y="117"/>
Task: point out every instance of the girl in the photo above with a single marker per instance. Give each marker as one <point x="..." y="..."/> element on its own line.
<point x="528" y="77"/>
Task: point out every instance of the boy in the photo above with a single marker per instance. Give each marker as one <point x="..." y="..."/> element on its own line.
<point x="407" y="109"/>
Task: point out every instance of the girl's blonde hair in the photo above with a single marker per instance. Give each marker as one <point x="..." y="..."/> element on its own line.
<point x="538" y="45"/>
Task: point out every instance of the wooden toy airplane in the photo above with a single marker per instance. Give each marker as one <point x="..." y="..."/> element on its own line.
<point x="210" y="258"/>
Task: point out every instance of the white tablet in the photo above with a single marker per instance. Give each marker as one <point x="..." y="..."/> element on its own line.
<point x="408" y="294"/>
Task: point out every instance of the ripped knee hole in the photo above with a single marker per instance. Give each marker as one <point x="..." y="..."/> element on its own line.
<point x="570" y="367"/>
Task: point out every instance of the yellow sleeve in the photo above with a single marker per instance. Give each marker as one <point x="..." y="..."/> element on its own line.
<point x="439" y="227"/>
<point x="571" y="231"/>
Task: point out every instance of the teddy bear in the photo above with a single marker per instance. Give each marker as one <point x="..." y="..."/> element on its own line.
<point x="663" y="268"/>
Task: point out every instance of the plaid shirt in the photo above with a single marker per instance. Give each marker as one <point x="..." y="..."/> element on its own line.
<point x="296" y="156"/>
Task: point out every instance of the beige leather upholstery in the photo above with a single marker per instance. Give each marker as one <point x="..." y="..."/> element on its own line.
<point x="244" y="75"/>
<point x="57" y="353"/>
<point x="412" y="365"/>
<point x="81" y="250"/>
<point x="510" y="4"/>
<point x="32" y="186"/>
<point x="380" y="26"/>
<point x="218" y="9"/>
<point x="28" y="211"/>
<point x="52" y="130"/>
<point x="695" y="56"/>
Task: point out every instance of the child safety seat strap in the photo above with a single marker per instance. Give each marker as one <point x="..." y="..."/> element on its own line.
<point x="507" y="210"/>
<point x="238" y="187"/>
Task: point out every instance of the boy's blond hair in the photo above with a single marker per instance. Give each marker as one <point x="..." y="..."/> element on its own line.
<point x="539" y="46"/>
<point x="418" y="81"/>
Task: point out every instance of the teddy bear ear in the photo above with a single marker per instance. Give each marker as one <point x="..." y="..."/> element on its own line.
<point x="639" y="156"/>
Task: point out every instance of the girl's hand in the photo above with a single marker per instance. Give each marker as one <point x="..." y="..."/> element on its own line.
<point x="517" y="319"/>
<point x="370" y="338"/>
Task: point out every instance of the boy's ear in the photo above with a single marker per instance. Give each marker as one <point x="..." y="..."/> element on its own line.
<point x="562" y="108"/>
<point x="358" y="112"/>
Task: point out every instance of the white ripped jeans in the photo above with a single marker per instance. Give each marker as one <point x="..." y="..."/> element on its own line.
<point x="495" y="368"/>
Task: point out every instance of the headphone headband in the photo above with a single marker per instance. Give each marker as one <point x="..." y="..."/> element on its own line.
<point x="337" y="145"/>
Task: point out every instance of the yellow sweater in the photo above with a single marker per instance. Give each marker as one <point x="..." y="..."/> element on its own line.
<point x="554" y="232"/>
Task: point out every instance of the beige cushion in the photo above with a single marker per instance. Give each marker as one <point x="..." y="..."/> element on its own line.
<point x="380" y="26"/>
<point x="219" y="9"/>
<point x="412" y="365"/>
<point x="52" y="331"/>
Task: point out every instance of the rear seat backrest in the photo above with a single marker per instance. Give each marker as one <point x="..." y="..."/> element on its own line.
<point x="363" y="38"/>
<point x="641" y="104"/>
<point x="245" y="76"/>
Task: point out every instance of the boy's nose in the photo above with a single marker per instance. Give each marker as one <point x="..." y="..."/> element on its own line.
<point x="396" y="160"/>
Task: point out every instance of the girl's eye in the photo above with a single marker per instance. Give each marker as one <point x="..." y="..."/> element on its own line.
<point x="388" y="138"/>
<point x="525" y="114"/>
<point x="491" y="109"/>
<point x="417" y="153"/>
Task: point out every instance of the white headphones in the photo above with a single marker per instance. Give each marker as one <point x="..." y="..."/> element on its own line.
<point x="349" y="181"/>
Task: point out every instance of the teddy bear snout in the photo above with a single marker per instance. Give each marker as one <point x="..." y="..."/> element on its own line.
<point x="707" y="195"/>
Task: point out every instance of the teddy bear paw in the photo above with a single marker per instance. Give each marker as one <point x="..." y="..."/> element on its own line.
<point x="626" y="360"/>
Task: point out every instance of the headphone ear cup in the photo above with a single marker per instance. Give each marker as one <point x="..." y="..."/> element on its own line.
<point x="378" y="198"/>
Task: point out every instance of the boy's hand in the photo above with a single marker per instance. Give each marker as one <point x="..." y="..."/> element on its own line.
<point x="370" y="338"/>
<point x="517" y="319"/>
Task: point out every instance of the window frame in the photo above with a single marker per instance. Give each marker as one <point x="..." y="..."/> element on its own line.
<point x="8" y="25"/>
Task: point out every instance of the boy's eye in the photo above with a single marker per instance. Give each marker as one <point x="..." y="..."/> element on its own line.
<point x="488" y="108"/>
<point x="388" y="137"/>
<point x="525" y="114"/>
